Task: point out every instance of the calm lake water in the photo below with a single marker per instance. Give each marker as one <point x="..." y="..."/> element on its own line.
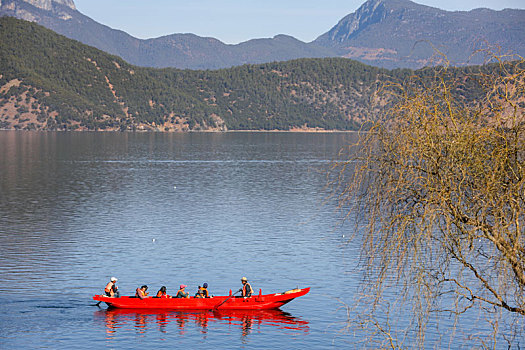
<point x="165" y="209"/>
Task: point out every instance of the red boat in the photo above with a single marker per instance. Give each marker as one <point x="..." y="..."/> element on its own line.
<point x="255" y="302"/>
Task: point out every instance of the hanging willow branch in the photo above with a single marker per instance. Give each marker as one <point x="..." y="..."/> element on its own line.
<point x="438" y="191"/>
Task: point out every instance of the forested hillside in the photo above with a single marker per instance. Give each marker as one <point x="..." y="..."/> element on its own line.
<point x="50" y="82"/>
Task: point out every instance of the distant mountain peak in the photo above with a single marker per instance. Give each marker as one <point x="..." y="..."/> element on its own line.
<point x="40" y="11"/>
<point x="371" y="12"/>
<point x="47" y="4"/>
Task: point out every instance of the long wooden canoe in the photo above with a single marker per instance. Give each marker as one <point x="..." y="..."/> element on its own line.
<point x="255" y="302"/>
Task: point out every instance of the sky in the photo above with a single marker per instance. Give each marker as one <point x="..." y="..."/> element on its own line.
<point x="234" y="21"/>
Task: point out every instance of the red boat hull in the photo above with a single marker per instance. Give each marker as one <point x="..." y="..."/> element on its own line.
<point x="256" y="302"/>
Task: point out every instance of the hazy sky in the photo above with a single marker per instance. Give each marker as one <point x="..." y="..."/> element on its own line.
<point x="234" y="21"/>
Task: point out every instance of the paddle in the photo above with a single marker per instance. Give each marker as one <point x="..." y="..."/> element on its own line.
<point x="116" y="294"/>
<point x="225" y="300"/>
<point x="98" y="304"/>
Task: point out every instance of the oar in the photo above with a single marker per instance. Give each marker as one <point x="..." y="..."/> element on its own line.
<point x="225" y="300"/>
<point x="98" y="304"/>
<point x="117" y="294"/>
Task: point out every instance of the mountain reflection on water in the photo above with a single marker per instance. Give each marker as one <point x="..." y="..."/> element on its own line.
<point x="244" y="322"/>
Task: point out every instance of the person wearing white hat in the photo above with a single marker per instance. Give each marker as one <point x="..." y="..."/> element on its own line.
<point x="111" y="289"/>
<point x="246" y="288"/>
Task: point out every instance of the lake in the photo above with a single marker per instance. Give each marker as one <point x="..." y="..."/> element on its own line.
<point x="166" y="209"/>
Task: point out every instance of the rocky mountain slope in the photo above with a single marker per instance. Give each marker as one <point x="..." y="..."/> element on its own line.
<point x="394" y="33"/>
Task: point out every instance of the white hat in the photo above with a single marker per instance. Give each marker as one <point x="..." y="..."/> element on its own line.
<point x="244" y="279"/>
<point x="113" y="279"/>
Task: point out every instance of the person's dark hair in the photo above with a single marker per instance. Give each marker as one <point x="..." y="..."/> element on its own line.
<point x="162" y="289"/>
<point x="144" y="287"/>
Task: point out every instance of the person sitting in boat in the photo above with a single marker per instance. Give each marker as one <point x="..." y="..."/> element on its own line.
<point x="204" y="290"/>
<point x="162" y="293"/>
<point x="182" y="293"/>
<point x="199" y="293"/>
<point x="111" y="289"/>
<point x="141" y="292"/>
<point x="247" y="289"/>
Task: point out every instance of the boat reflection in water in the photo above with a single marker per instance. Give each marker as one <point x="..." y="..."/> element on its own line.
<point x="164" y="320"/>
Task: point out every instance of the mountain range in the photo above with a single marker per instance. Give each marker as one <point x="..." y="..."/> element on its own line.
<point x="383" y="33"/>
<point x="50" y="82"/>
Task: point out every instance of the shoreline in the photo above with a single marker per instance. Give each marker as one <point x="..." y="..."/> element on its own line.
<point x="190" y="131"/>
